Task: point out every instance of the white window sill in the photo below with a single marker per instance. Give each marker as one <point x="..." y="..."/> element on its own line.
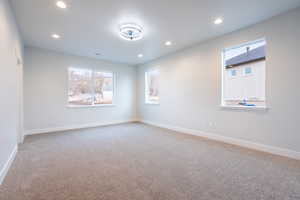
<point x="237" y="107"/>
<point x="90" y="106"/>
<point x="152" y="103"/>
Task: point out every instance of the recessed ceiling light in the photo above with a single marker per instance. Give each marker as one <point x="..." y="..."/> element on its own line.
<point x="61" y="4"/>
<point x="55" y="36"/>
<point x="140" y="55"/>
<point x="131" y="32"/>
<point x="218" y="21"/>
<point x="168" y="43"/>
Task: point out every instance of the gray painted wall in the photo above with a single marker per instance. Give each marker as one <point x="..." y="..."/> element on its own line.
<point x="45" y="91"/>
<point x="190" y="87"/>
<point x="10" y="83"/>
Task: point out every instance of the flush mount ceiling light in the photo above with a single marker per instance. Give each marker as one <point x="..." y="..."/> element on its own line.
<point x="168" y="43"/>
<point x="218" y="21"/>
<point x="140" y="55"/>
<point x="55" y="36"/>
<point x="61" y="4"/>
<point x="131" y="32"/>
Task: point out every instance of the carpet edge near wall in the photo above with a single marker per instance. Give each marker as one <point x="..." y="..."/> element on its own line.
<point x="7" y="165"/>
<point x="229" y="140"/>
<point x="239" y="142"/>
<point x="74" y="127"/>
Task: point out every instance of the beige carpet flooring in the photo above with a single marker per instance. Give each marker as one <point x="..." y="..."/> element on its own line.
<point x="140" y="162"/>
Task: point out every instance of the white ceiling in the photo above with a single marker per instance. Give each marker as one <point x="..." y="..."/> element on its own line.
<point x="90" y="26"/>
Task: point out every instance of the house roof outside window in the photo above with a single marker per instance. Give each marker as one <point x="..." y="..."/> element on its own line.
<point x="253" y="55"/>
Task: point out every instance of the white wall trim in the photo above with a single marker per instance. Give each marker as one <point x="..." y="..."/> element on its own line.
<point x="4" y="171"/>
<point x="74" y="127"/>
<point x="239" y="142"/>
<point x="22" y="137"/>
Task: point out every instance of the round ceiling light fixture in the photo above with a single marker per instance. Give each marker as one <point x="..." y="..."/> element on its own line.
<point x="218" y="21"/>
<point x="61" y="4"/>
<point x="55" y="36"/>
<point x="131" y="32"/>
<point x="168" y="43"/>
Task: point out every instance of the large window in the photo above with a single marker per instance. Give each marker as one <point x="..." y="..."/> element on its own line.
<point x="88" y="87"/>
<point x="244" y="69"/>
<point x="152" y="87"/>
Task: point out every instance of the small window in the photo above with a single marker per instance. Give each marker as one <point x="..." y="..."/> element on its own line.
<point x="244" y="74"/>
<point x="233" y="73"/>
<point x="248" y="71"/>
<point x="152" y="87"/>
<point x="89" y="88"/>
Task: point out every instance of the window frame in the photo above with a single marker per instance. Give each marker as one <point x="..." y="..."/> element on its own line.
<point x="93" y="105"/>
<point x="245" y="71"/>
<point x="223" y="71"/>
<point x="146" y="88"/>
<point x="236" y="73"/>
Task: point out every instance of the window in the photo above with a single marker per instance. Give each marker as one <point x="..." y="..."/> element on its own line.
<point x="232" y="73"/>
<point x="248" y="71"/>
<point x="244" y="75"/>
<point x="152" y="87"/>
<point x="89" y="88"/>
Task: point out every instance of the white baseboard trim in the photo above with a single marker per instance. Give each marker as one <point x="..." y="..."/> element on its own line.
<point x="239" y="142"/>
<point x="7" y="165"/>
<point x="74" y="127"/>
<point x="21" y="138"/>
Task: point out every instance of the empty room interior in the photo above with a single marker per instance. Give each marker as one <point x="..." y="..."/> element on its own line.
<point x="149" y="100"/>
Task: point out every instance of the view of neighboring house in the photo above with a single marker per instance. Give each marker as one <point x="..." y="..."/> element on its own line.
<point x="244" y="75"/>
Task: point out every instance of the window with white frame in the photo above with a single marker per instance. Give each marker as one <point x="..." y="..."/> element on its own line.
<point x="88" y="87"/>
<point x="244" y="68"/>
<point x="152" y="87"/>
